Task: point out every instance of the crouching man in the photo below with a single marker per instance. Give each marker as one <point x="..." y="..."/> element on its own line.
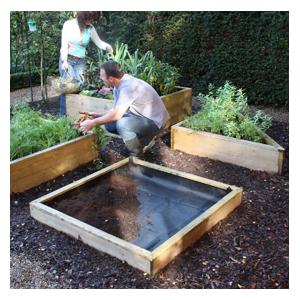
<point x="138" y="112"/>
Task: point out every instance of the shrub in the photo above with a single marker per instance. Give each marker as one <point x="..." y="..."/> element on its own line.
<point x="225" y="111"/>
<point x="21" y="80"/>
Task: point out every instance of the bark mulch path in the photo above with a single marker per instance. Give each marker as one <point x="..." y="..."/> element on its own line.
<point x="249" y="249"/>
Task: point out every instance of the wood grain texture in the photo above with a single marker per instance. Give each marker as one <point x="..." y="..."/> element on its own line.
<point x="39" y="167"/>
<point x="256" y="156"/>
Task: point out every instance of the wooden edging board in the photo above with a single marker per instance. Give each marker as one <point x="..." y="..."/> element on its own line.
<point x="256" y="156"/>
<point x="147" y="261"/>
<point x="76" y="103"/>
<point x="178" y="104"/>
<point x="39" y="167"/>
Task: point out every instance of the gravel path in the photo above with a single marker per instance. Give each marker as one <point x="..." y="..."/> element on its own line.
<point x="25" y="94"/>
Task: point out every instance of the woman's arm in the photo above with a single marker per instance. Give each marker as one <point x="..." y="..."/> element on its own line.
<point x="64" y="43"/>
<point x="98" y="42"/>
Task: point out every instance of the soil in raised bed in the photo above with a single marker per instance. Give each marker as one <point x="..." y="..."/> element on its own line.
<point x="139" y="204"/>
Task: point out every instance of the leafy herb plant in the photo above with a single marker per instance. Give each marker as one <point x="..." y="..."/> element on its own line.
<point x="225" y="111"/>
<point x="31" y="131"/>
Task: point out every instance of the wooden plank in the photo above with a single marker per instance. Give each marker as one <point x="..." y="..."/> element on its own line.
<point x="166" y="252"/>
<point x="269" y="140"/>
<point x="280" y="161"/>
<point x="85" y="144"/>
<point x="96" y="238"/>
<point x="178" y="105"/>
<point x="81" y="181"/>
<point x="34" y="169"/>
<point x="255" y="156"/>
<point x="189" y="176"/>
<point x="76" y="103"/>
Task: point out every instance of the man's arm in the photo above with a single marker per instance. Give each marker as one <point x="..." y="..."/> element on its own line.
<point x="112" y="115"/>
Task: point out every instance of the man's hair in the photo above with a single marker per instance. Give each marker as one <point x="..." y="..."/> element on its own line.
<point x="83" y="16"/>
<point x="112" y="68"/>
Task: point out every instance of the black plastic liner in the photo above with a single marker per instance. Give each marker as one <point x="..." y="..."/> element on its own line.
<point x="160" y="204"/>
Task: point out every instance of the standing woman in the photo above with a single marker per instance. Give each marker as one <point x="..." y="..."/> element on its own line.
<point x="76" y="35"/>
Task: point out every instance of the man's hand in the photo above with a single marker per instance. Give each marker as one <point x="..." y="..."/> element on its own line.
<point x="114" y="114"/>
<point x="94" y="115"/>
<point x="87" y="125"/>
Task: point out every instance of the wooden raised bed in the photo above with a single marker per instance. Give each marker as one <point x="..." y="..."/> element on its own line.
<point x="178" y="104"/>
<point x="256" y="156"/>
<point x="220" y="199"/>
<point x="39" y="167"/>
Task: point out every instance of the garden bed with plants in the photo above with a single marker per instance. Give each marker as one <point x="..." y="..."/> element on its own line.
<point x="44" y="147"/>
<point x="224" y="130"/>
<point x="94" y="96"/>
<point x="250" y="249"/>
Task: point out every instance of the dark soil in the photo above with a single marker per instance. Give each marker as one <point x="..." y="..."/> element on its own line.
<point x="108" y="203"/>
<point x="249" y="249"/>
<point x="50" y="106"/>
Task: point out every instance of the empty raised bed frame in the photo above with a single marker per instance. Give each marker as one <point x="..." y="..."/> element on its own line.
<point x="34" y="169"/>
<point x="139" y="212"/>
<point x="256" y="156"/>
<point x="178" y="104"/>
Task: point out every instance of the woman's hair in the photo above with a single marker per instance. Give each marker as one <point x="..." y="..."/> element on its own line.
<point x="83" y="16"/>
<point x="112" y="68"/>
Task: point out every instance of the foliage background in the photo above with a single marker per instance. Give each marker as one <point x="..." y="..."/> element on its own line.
<point x="250" y="49"/>
<point x="27" y="48"/>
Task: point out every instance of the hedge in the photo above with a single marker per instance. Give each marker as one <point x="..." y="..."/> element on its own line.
<point x="21" y="80"/>
<point x="249" y="49"/>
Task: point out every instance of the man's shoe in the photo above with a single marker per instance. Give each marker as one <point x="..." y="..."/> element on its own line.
<point x="150" y="145"/>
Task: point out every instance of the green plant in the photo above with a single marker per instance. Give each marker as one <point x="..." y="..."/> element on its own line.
<point x="225" y="111"/>
<point x="92" y="80"/>
<point x="162" y="76"/>
<point x="102" y="138"/>
<point x="119" y="55"/>
<point x="134" y="63"/>
<point x="97" y="94"/>
<point x="262" y="120"/>
<point x="251" y="49"/>
<point x="35" y="51"/>
<point x="98" y="164"/>
<point x="30" y="131"/>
